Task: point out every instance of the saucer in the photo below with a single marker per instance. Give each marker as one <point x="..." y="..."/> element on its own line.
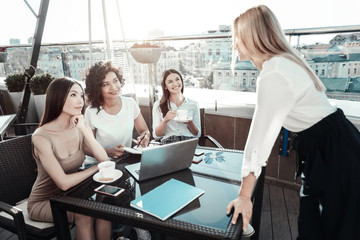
<point x="118" y="174"/>
<point x="182" y="120"/>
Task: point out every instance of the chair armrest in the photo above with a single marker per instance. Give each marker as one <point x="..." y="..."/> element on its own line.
<point x="18" y="217"/>
<point x="213" y="141"/>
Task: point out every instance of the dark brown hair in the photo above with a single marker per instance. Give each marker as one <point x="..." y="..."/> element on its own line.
<point x="164" y="107"/>
<point x="93" y="80"/>
<point x="56" y="95"/>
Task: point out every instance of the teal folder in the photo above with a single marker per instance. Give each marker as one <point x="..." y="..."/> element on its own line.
<point x="167" y="199"/>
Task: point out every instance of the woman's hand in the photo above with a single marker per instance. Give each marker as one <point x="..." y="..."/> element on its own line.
<point x="169" y="115"/>
<point x="78" y="121"/>
<point x="242" y="205"/>
<point x="116" y="151"/>
<point x="144" y="139"/>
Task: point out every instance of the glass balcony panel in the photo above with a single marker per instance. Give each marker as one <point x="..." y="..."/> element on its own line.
<point x="204" y="63"/>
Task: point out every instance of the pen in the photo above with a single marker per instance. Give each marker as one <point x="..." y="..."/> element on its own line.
<point x="142" y="138"/>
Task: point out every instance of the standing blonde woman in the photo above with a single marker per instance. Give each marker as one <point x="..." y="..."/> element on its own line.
<point x="289" y="94"/>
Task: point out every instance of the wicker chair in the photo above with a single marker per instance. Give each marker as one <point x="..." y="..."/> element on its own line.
<point x="203" y="138"/>
<point x="17" y="176"/>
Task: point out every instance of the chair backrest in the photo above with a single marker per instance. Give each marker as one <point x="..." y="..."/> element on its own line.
<point x="202" y="138"/>
<point x="17" y="169"/>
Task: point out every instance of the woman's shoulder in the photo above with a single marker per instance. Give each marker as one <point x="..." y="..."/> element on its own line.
<point x="279" y="62"/>
<point x="41" y="133"/>
<point x="91" y="109"/>
<point x="190" y="101"/>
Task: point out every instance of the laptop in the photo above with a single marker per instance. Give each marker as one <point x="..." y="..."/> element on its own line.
<point x="164" y="159"/>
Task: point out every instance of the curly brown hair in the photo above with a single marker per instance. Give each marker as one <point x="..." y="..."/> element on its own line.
<point x="94" y="78"/>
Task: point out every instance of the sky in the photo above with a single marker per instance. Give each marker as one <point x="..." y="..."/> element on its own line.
<point x="67" y="20"/>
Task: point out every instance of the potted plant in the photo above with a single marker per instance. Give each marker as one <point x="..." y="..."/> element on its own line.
<point x="38" y="86"/>
<point x="146" y="52"/>
<point x="15" y="84"/>
<point x="3" y="54"/>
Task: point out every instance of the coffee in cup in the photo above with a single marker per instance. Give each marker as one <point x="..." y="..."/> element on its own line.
<point x="182" y="114"/>
<point x="107" y="170"/>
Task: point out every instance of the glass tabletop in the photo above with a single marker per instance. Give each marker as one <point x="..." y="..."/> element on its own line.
<point x="208" y="210"/>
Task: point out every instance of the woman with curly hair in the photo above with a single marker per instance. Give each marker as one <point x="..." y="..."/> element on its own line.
<point x="112" y="117"/>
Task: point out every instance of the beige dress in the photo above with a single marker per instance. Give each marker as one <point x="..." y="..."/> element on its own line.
<point x="44" y="187"/>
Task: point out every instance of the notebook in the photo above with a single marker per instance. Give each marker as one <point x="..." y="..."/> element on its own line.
<point x="167" y="199"/>
<point x="185" y="176"/>
<point x="164" y="159"/>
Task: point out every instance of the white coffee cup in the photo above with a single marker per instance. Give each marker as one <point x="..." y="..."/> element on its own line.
<point x="107" y="169"/>
<point x="182" y="114"/>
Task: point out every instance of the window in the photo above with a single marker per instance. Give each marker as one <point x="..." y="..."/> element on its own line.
<point x="210" y="52"/>
<point x="217" y="52"/>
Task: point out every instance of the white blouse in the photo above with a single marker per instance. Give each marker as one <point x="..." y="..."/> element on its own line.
<point x="286" y="96"/>
<point x="173" y="127"/>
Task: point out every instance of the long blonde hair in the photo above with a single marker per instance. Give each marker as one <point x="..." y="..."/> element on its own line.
<point x="261" y="34"/>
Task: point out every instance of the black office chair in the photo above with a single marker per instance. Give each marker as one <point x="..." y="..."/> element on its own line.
<point x="204" y="137"/>
<point x="17" y="176"/>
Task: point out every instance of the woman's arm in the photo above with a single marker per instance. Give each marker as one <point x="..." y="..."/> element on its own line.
<point x="159" y="122"/>
<point x="192" y="128"/>
<point x="142" y="129"/>
<point x="44" y="151"/>
<point x="274" y="101"/>
<point x="243" y="204"/>
<point x="90" y="144"/>
<point x="194" y="125"/>
<point x="160" y="130"/>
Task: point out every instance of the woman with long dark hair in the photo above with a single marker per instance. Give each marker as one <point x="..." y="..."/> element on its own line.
<point x="173" y="99"/>
<point x="59" y="144"/>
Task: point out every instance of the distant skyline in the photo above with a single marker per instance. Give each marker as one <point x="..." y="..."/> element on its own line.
<point x="67" y="20"/>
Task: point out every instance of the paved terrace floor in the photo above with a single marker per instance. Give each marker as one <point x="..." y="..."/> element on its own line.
<point x="279" y="214"/>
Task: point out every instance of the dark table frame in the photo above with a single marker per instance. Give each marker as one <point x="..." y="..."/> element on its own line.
<point x="132" y="217"/>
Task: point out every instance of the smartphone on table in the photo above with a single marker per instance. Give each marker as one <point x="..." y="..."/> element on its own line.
<point x="109" y="190"/>
<point x="198" y="152"/>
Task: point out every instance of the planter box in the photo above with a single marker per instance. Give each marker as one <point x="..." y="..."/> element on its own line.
<point x="39" y="105"/>
<point x="146" y="55"/>
<point x="16" y="100"/>
<point x="3" y="57"/>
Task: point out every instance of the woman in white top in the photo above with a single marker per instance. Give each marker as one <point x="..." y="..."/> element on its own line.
<point x="112" y="117"/>
<point x="173" y="99"/>
<point x="289" y="94"/>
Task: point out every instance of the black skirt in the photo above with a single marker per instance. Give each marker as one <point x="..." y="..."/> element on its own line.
<point x="330" y="153"/>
